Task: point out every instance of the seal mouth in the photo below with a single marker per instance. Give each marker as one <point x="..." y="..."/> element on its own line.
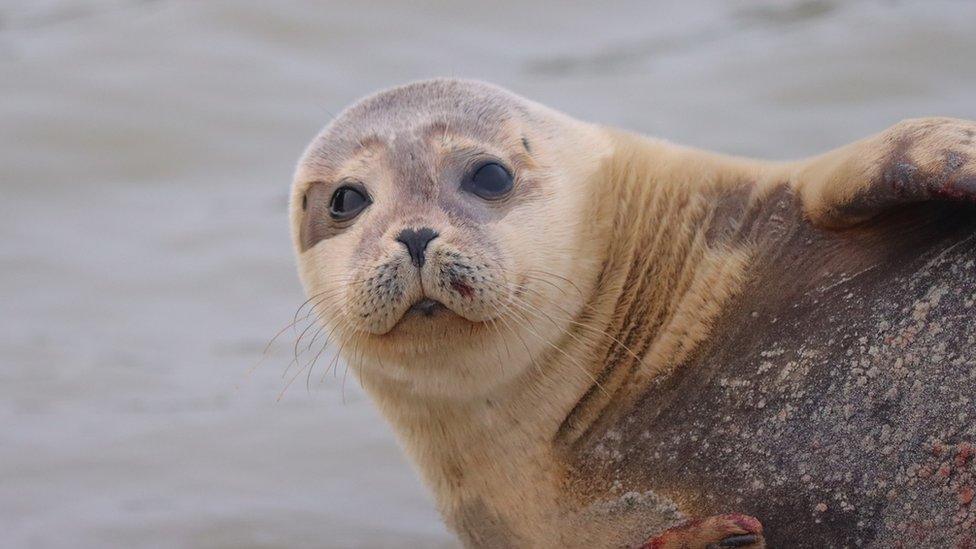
<point x="426" y="307"/>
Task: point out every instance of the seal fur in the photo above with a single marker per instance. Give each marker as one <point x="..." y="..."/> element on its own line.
<point x="621" y="266"/>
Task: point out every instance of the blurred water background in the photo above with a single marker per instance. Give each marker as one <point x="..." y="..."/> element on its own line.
<point x="146" y="149"/>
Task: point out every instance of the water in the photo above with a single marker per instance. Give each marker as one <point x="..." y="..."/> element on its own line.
<point x="145" y="154"/>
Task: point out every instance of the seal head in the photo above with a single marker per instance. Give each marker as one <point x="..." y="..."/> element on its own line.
<point x="435" y="221"/>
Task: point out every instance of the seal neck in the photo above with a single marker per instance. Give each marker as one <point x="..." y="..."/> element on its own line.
<point x="673" y="261"/>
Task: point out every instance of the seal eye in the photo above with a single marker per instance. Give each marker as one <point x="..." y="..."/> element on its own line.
<point x="490" y="181"/>
<point x="347" y="202"/>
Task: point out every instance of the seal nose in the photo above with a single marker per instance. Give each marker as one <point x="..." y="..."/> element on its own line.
<point x="416" y="241"/>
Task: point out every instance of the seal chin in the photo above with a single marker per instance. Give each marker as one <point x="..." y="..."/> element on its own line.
<point x="424" y="314"/>
<point x="431" y="320"/>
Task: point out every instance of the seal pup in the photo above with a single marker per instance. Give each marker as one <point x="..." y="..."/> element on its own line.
<point x="536" y="303"/>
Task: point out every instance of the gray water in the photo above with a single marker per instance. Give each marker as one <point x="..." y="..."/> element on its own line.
<point x="145" y="154"/>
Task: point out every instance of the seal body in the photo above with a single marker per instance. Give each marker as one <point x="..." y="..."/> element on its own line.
<point x="589" y="338"/>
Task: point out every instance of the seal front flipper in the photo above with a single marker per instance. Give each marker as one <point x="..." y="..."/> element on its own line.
<point x="715" y="532"/>
<point x="917" y="160"/>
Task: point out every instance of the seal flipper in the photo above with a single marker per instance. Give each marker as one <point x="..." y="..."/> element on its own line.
<point x="716" y="532"/>
<point x="919" y="160"/>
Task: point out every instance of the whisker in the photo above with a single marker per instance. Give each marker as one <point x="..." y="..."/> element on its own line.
<point x="571" y="358"/>
<point x="560" y="277"/>
<point x="307" y="366"/>
<point x="298" y="340"/>
<point x="568" y="316"/>
<point x="582" y="325"/>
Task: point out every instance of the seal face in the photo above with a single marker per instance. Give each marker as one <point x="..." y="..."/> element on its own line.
<point x="424" y="219"/>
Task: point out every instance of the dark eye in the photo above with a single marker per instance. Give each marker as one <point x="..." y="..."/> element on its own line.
<point x="347" y="202"/>
<point x="490" y="181"/>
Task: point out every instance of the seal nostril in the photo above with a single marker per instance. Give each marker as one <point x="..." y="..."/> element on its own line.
<point x="416" y="241"/>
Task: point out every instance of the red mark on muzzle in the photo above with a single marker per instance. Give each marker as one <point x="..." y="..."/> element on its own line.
<point x="460" y="287"/>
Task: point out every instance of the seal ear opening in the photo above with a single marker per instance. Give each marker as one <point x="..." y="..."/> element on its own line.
<point x="304" y="202"/>
<point x="525" y="143"/>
